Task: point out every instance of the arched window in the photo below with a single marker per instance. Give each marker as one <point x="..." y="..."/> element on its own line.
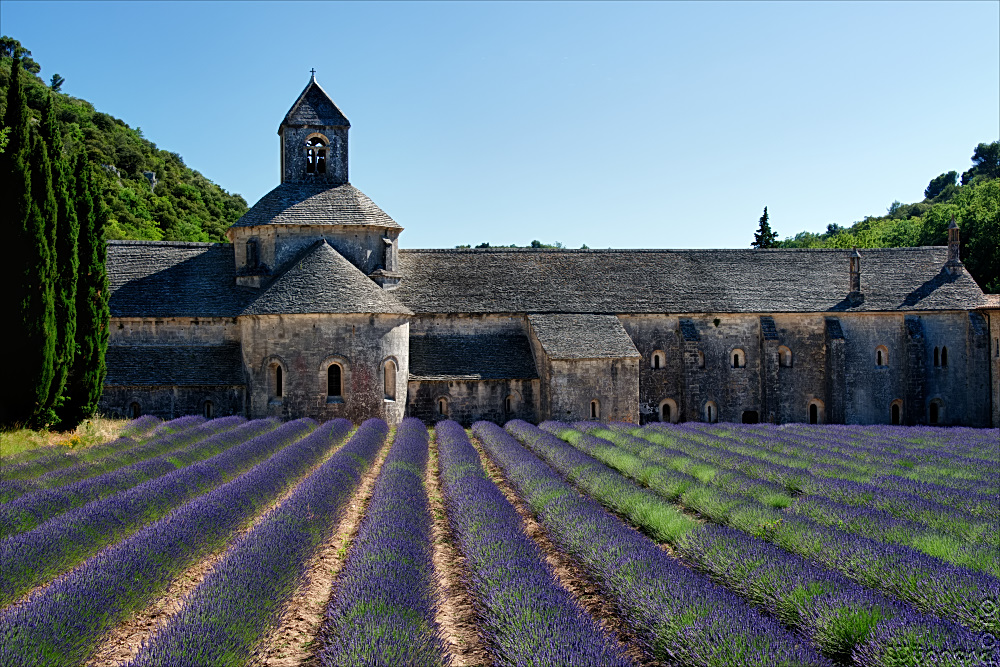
<point x="711" y="412"/>
<point x="442" y="406"/>
<point x="316" y="155"/>
<point x="784" y="357"/>
<point x="209" y="410"/>
<point x="944" y="356"/>
<point x="701" y="359"/>
<point x="739" y="358"/>
<point x="881" y="356"/>
<point x="279" y="382"/>
<point x="253" y="254"/>
<point x="658" y="360"/>
<point x="508" y="404"/>
<point x="595" y="409"/>
<point x="334" y="381"/>
<point x="896" y="412"/>
<point x="668" y="411"/>
<point x="134" y="410"/>
<point x="816" y="412"/>
<point x="937" y="357"/>
<point x="389" y="377"/>
<point x="935" y="412"/>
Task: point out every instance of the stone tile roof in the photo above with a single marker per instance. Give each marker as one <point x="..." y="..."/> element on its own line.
<point x="314" y="107"/>
<point x="322" y="281"/>
<point x="316" y="204"/>
<point x="474" y="357"/>
<point x="173" y="279"/>
<point x="580" y="336"/>
<point x="184" y="365"/>
<point x="678" y="281"/>
<point x="992" y="302"/>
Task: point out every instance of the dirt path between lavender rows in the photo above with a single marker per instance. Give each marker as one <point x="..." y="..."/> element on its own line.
<point x="456" y="608"/>
<point x="122" y="644"/>
<point x="296" y="638"/>
<point x="570" y="574"/>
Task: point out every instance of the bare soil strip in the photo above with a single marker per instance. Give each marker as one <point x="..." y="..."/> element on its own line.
<point x="456" y="613"/>
<point x="294" y="641"/>
<point x="570" y="575"/>
<point x="123" y="643"/>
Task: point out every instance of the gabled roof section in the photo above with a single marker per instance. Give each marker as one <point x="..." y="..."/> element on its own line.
<point x="322" y="281"/>
<point x="495" y="280"/>
<point x="582" y="336"/>
<point x="316" y="204"/>
<point x="182" y="365"/>
<point x="173" y="279"/>
<point x="474" y="357"/>
<point x="314" y="107"/>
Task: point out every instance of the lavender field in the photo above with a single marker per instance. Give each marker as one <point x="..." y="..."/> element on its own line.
<point x="233" y="542"/>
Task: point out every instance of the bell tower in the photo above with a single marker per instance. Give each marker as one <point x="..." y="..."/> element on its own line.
<point x="314" y="139"/>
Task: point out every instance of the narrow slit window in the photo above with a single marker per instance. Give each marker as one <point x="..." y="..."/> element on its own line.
<point x="944" y="356"/>
<point x="896" y="413"/>
<point x="389" y="376"/>
<point x="209" y="410"/>
<point x="508" y="405"/>
<point x="134" y="410"/>
<point x="442" y="407"/>
<point x="279" y="382"/>
<point x="334" y="381"/>
<point x="595" y="409"/>
<point x="665" y="413"/>
<point x="813" y="414"/>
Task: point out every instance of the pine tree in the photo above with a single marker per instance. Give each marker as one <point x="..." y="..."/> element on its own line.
<point x="86" y="378"/>
<point x="66" y="259"/>
<point x="764" y="237"/>
<point x="28" y="209"/>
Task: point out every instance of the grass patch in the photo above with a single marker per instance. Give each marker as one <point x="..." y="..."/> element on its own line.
<point x="16" y="443"/>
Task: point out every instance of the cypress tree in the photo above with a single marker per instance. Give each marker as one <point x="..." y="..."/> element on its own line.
<point x="764" y="237"/>
<point x="86" y="378"/>
<point x="27" y="207"/>
<point x="66" y="259"/>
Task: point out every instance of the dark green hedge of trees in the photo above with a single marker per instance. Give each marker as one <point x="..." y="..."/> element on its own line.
<point x="183" y="206"/>
<point x="975" y="204"/>
<point x="55" y="296"/>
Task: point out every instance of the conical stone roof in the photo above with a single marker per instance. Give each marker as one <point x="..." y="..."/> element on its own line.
<point x="322" y="281"/>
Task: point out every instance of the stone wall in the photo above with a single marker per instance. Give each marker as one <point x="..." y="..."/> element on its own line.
<point x="305" y="345"/>
<point x="362" y="245"/>
<point x="993" y="318"/>
<point x="169" y="402"/>
<point x="573" y="384"/>
<point x="469" y="401"/>
<point x="173" y="331"/>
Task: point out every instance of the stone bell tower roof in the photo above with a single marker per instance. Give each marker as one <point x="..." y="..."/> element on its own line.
<point x="314" y="108"/>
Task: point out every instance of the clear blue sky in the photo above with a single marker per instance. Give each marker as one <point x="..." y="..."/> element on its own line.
<point x="612" y="124"/>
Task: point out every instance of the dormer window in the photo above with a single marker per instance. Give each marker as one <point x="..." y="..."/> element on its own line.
<point x="316" y="155"/>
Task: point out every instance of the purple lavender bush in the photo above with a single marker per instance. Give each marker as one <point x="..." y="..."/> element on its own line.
<point x="528" y="619"/>
<point x="229" y="612"/>
<point x="684" y="617"/>
<point x="63" y="623"/>
<point x="383" y="609"/>
<point x="34" y="557"/>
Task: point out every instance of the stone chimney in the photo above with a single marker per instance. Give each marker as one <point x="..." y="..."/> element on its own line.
<point x="855" y="296"/>
<point x="954" y="264"/>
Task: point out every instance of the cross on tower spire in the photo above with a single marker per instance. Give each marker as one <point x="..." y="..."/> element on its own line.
<point x="313" y="72"/>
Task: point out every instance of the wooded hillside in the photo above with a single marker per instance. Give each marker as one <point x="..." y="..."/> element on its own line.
<point x="182" y="206"/>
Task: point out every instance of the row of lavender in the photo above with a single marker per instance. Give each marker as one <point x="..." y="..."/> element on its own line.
<point x="179" y="448"/>
<point x="956" y="534"/>
<point x="225" y="617"/>
<point x="683" y="617"/>
<point x="840" y="616"/>
<point x="527" y="618"/>
<point x="36" y="556"/>
<point x="929" y="583"/>
<point x="62" y="623"/>
<point x="65" y="466"/>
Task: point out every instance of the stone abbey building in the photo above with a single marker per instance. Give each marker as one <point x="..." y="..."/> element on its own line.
<point x="314" y="310"/>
